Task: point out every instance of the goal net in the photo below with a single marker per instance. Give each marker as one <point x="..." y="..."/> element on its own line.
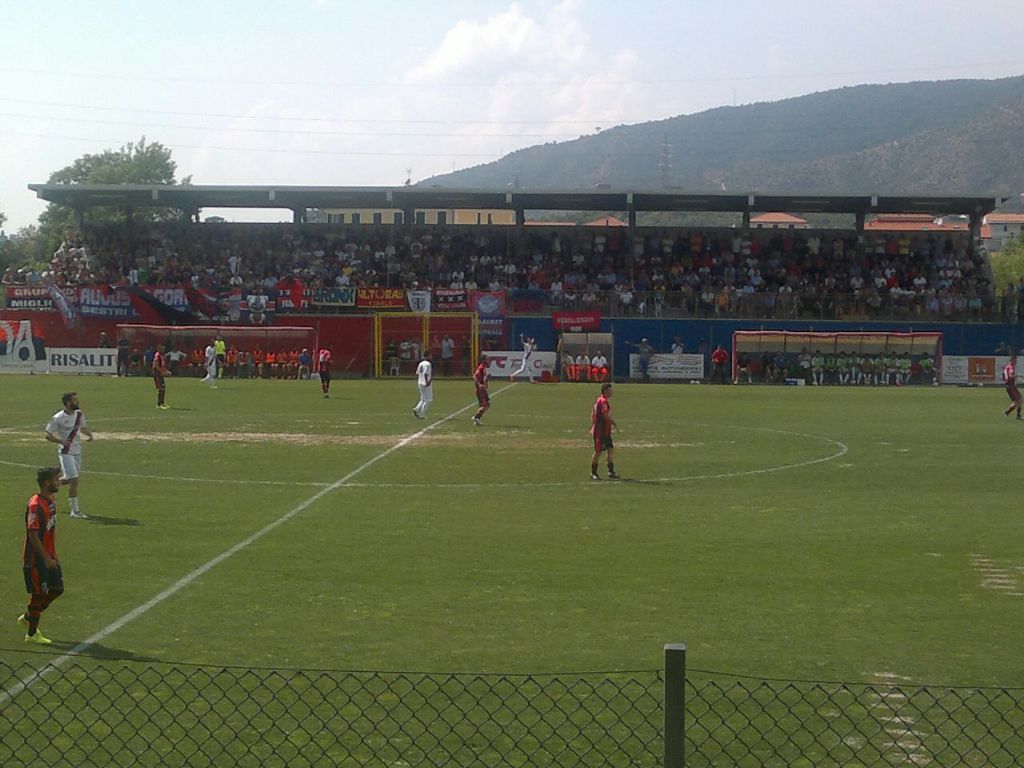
<point x="858" y="357"/>
<point x="184" y="342"/>
<point x="401" y="338"/>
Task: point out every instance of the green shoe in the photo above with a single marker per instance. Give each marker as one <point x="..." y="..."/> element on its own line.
<point x="23" y="620"/>
<point x="38" y="639"/>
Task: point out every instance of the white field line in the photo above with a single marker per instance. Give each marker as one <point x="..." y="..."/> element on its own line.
<point x="841" y="450"/>
<point x="1002" y="580"/>
<point x="185" y="581"/>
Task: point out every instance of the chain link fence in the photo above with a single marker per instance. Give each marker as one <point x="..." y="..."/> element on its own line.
<point x="106" y="713"/>
<point x="60" y="711"/>
<point x="753" y="723"/>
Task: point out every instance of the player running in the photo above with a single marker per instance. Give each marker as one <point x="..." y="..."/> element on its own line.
<point x="480" y="378"/>
<point x="601" y="427"/>
<point x="1010" y="380"/>
<point x="425" y="382"/>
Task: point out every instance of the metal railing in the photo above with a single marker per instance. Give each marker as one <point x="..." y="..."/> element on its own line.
<point x="101" y="712"/>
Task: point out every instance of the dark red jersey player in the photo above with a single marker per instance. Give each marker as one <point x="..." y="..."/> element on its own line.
<point x="43" y="578"/>
<point x="480" y="379"/>
<point x="601" y="427"/>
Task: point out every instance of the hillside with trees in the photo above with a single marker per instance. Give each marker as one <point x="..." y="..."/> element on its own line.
<point x="953" y="137"/>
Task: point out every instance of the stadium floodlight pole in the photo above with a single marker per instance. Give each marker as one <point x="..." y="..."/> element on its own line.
<point x="675" y="705"/>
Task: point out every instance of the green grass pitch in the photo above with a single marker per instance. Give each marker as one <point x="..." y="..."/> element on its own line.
<point x="826" y="533"/>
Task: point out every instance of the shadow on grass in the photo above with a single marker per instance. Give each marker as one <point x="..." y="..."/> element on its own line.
<point x="91" y="651"/>
<point x="100" y="520"/>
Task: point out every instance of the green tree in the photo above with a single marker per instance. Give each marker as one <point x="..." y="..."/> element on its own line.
<point x="139" y="162"/>
<point x="1008" y="263"/>
<point x="25" y="248"/>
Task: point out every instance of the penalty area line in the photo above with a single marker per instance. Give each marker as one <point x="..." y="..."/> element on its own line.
<point x="11" y="691"/>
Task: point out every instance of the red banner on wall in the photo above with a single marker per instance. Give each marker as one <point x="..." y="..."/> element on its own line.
<point x="29" y="298"/>
<point x="576" y="321"/>
<point x="381" y="298"/>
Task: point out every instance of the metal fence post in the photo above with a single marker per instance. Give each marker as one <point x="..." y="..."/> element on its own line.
<point x="675" y="705"/>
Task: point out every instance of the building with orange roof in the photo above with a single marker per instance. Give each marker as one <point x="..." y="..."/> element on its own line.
<point x="1002" y="226"/>
<point x="778" y="221"/>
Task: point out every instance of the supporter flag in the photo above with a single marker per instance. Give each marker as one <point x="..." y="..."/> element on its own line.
<point x="152" y="311"/>
<point x="291" y="287"/>
<point x="419" y="301"/>
<point x="201" y="303"/>
<point x="64" y="306"/>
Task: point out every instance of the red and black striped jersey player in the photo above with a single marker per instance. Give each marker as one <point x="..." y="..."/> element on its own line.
<point x="601" y="427"/>
<point x="44" y="581"/>
<point x="480" y="379"/>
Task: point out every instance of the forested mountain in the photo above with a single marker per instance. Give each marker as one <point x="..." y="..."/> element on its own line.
<point x="935" y="138"/>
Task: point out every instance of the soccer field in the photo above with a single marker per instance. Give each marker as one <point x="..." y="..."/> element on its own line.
<point x="814" y="533"/>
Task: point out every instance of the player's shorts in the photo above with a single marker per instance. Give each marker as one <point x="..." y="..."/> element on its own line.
<point x="426" y="393"/>
<point x="39" y="580"/>
<point x="325" y="375"/>
<point x="482" y="397"/>
<point x="70" y="464"/>
<point x="158" y="380"/>
<point x="1013" y="392"/>
<point x="602" y="443"/>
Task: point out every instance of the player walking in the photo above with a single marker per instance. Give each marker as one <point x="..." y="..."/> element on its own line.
<point x="601" y="427"/>
<point x="1010" y="380"/>
<point x="480" y="378"/>
<point x="43" y="579"/>
<point x="323" y="366"/>
<point x="65" y="428"/>
<point x="211" y="365"/>
<point x="424" y="380"/>
<point x="529" y="345"/>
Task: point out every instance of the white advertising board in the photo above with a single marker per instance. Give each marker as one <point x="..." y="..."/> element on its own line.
<point x="979" y="370"/>
<point x="502" y="363"/>
<point x="76" y="360"/>
<point x="683" y="367"/>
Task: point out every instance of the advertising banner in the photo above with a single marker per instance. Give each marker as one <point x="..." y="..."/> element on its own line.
<point x="20" y="350"/>
<point x="31" y="298"/>
<point x="979" y="370"/>
<point x="450" y="299"/>
<point x="500" y="364"/>
<point x="575" y="322"/>
<point x="336" y="297"/>
<point x="380" y="298"/>
<point x="685" y="367"/>
<point x="76" y="360"/>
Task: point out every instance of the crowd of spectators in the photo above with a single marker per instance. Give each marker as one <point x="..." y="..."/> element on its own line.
<point x="711" y="273"/>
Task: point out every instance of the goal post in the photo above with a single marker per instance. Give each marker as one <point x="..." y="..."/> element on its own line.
<point x="922" y="350"/>
<point x="400" y="338"/>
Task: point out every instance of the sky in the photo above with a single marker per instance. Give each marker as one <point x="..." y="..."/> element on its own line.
<point x="346" y="93"/>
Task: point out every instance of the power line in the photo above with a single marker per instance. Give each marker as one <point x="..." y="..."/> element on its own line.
<point x="377" y="121"/>
<point x="887" y="71"/>
<point x="289" y="130"/>
<point x="289" y="151"/>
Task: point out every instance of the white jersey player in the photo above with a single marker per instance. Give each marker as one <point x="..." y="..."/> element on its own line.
<point x="65" y="428"/>
<point x="526" y="364"/>
<point x="211" y="365"/>
<point x="425" y="382"/>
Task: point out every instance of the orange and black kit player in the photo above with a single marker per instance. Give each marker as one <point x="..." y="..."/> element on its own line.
<point x="43" y="578"/>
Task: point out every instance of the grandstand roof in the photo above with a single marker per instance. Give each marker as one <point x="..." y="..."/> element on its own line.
<point x="193" y="197"/>
<point x="915" y="222"/>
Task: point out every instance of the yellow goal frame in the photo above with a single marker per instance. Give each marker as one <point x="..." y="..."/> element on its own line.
<point x="424" y="317"/>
